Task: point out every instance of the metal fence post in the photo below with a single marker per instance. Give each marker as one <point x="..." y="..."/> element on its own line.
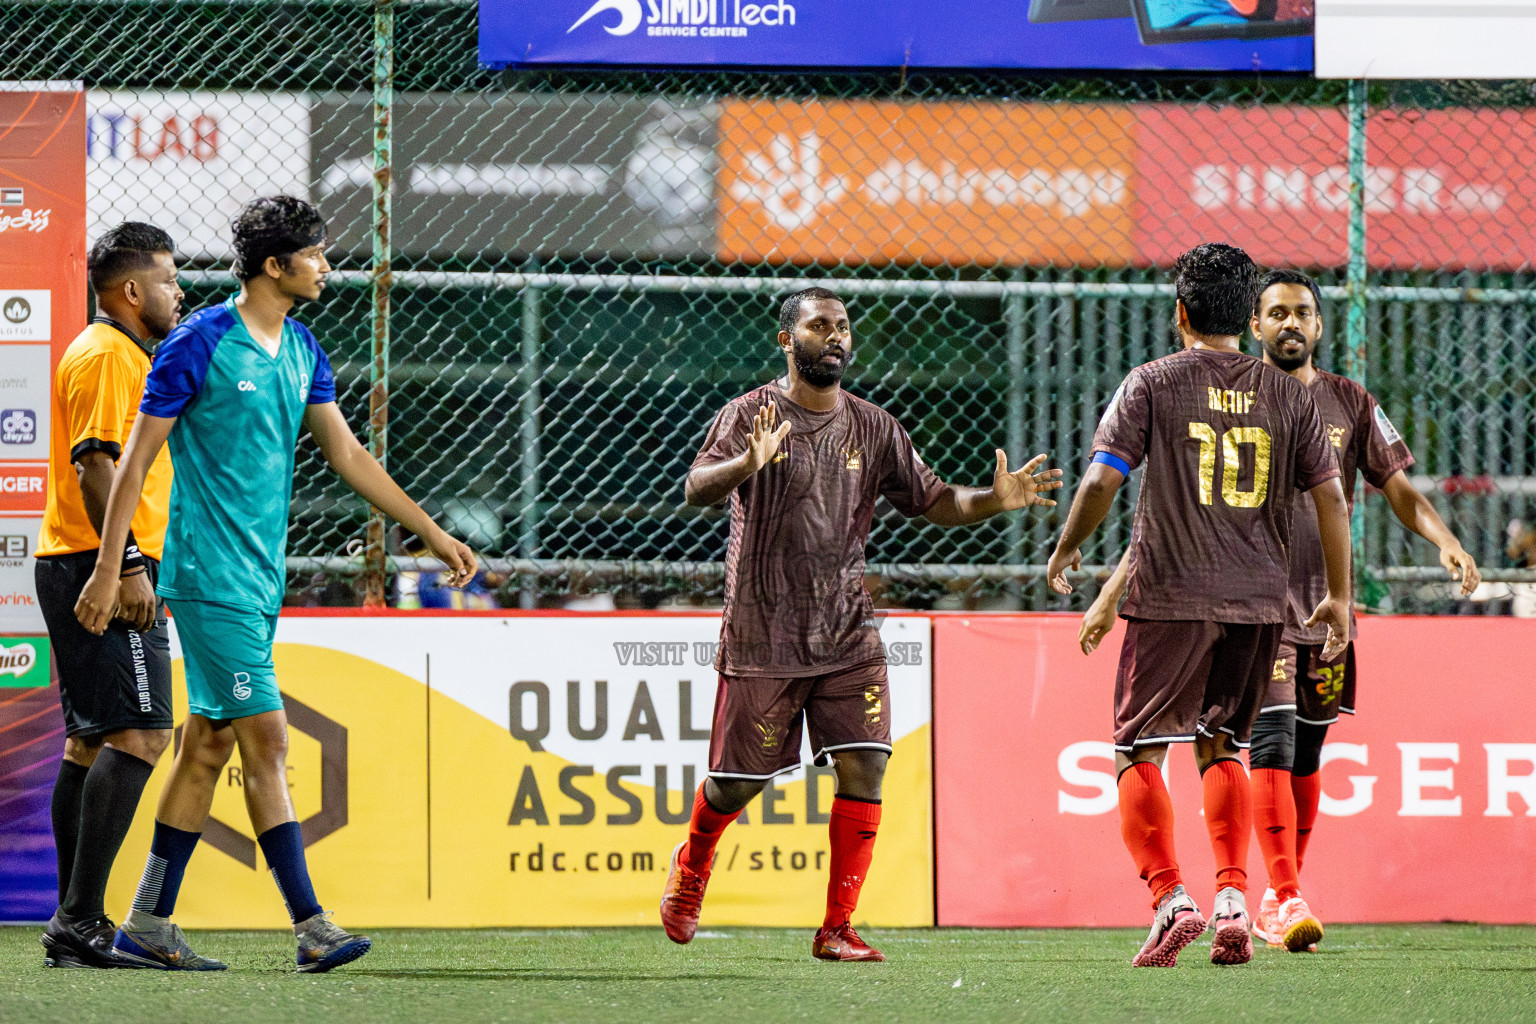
<point x="378" y="373"/>
<point x="1013" y="316"/>
<point x="1354" y="351"/>
<point x="528" y="514"/>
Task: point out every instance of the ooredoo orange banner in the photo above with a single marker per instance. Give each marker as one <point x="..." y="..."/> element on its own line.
<point x="1429" y="805"/>
<point x="1026" y="183"/>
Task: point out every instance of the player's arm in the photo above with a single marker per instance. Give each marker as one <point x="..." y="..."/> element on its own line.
<point x="136" y="598"/>
<point x="1100" y="617"/>
<point x="711" y="483"/>
<point x="1333" y="527"/>
<point x="362" y="472"/>
<point x="961" y="506"/>
<point x="1414" y="511"/>
<point x="1090" y="505"/>
<point x="98" y="602"/>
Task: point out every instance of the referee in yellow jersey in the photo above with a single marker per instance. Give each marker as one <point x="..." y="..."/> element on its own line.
<point x="115" y="688"/>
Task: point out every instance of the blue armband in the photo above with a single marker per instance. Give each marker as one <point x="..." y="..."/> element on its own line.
<point x="1113" y="462"/>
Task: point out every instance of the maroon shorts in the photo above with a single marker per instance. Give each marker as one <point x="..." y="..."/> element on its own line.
<point x="1179" y="680"/>
<point x="1316" y="689"/>
<point x="758" y="720"/>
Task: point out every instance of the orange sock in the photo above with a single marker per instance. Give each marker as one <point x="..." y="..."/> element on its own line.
<point x="1307" y="790"/>
<point x="704" y="830"/>
<point x="1228" y="819"/>
<point x="1146" y="825"/>
<point x="852" y="832"/>
<point x="1274" y="822"/>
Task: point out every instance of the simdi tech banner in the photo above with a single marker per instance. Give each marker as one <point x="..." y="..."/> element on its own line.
<point x="1208" y="35"/>
<point x="535" y="770"/>
<point x="1429" y="793"/>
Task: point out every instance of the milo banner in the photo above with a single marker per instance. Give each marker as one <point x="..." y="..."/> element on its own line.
<point x="535" y="770"/>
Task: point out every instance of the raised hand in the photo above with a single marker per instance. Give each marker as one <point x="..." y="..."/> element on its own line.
<point x="1024" y="487"/>
<point x="767" y="435"/>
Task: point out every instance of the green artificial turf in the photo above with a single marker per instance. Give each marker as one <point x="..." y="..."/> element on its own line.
<point x="1394" y="973"/>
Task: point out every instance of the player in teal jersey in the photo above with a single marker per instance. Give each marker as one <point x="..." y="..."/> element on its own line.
<point x="231" y="388"/>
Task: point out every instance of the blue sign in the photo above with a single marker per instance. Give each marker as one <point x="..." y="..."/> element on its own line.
<point x="1174" y="35"/>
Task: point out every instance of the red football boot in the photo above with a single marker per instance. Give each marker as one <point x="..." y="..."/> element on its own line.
<point x="681" y="900"/>
<point x="843" y="943"/>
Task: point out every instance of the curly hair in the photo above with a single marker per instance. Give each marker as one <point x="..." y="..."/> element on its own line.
<point x="273" y="226"/>
<point x="130" y="246"/>
<point x="1218" y="284"/>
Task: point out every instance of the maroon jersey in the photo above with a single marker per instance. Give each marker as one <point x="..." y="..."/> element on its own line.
<point x="1228" y="443"/>
<point x="795" y="603"/>
<point x="1365" y="441"/>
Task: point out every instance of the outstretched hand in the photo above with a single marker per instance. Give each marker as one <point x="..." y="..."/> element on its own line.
<point x="1024" y="487"/>
<point x="767" y="435"/>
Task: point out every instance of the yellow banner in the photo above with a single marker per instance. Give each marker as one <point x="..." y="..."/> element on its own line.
<point x="533" y="771"/>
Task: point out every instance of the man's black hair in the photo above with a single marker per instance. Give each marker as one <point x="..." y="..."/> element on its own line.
<point x="1284" y="276"/>
<point x="1218" y="284"/>
<point x="274" y="226"/>
<point x="130" y="246"/>
<point x="789" y="312"/>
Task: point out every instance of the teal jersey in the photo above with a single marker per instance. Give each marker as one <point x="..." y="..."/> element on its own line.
<point x="238" y="414"/>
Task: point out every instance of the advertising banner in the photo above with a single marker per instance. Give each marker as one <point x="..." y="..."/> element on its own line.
<point x="1429" y="805"/>
<point x="1117" y="185"/>
<point x="535" y="770"/>
<point x="926" y="182"/>
<point x="1211" y="35"/>
<point x="187" y="161"/>
<point x="1448" y="39"/>
<point x="520" y="174"/>
<point x="1445" y="188"/>
<point x="42" y="308"/>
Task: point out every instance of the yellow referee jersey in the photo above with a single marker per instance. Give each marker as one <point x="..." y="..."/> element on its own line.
<point x="95" y="401"/>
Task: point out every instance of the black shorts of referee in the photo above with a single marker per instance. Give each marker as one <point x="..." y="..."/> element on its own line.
<point x="119" y="680"/>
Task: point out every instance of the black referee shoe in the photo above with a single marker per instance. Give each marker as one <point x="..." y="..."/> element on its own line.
<point x="83" y="943"/>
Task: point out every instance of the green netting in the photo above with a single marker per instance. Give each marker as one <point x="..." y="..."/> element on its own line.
<point x="587" y="265"/>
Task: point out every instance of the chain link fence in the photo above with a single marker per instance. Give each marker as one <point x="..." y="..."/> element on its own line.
<point x="570" y="272"/>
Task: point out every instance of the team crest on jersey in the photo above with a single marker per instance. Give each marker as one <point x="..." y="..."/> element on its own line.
<point x="851" y="458"/>
<point x="782" y="455"/>
<point x="770" y="735"/>
<point x="1336" y="435"/>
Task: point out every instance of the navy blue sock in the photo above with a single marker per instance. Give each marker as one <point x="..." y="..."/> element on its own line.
<point x="168" y="855"/>
<point x="283" y="847"/>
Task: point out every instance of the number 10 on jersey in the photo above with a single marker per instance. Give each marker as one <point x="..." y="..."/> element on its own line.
<point x="1230" y="443"/>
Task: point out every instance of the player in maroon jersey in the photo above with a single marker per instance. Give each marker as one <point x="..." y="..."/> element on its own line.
<point x="1228" y="443"/>
<point x="802" y="463"/>
<point x="1308" y="691"/>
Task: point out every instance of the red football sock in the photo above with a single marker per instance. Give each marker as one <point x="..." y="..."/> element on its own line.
<point x="1307" y="791"/>
<point x="704" y="830"/>
<point x="1274" y="822"/>
<point x="1228" y="819"/>
<point x="852" y="830"/>
<point x="1146" y="825"/>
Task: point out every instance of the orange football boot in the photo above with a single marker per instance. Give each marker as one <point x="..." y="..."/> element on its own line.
<point x="843" y="943"/>
<point x="682" y="899"/>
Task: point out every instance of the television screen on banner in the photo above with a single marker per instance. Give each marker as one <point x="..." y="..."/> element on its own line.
<point x="1186" y="35"/>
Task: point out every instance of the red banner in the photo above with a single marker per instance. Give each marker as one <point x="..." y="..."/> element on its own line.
<point x="1444" y="189"/>
<point x="1429" y="794"/>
